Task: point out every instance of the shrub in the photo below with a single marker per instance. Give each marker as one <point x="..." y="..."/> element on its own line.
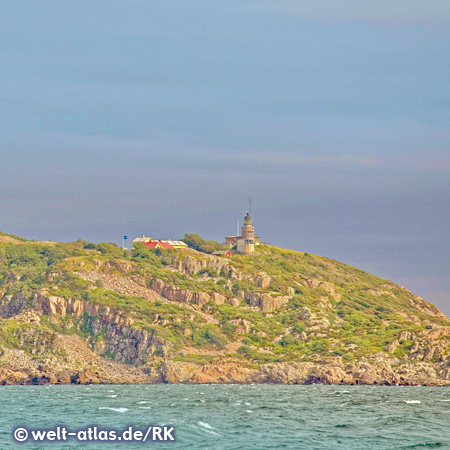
<point x="299" y="327"/>
<point x="209" y="334"/>
<point x="246" y="352"/>
<point x="287" y="340"/>
<point x="227" y="327"/>
<point x="106" y="248"/>
<point x="209" y="272"/>
<point x="198" y="243"/>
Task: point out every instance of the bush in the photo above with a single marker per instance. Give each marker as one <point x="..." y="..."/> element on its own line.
<point x="198" y="243"/>
<point x="299" y="327"/>
<point x="72" y="283"/>
<point x="228" y="328"/>
<point x="246" y="352"/>
<point x="209" y="334"/>
<point x="209" y="272"/>
<point x="141" y="252"/>
<point x="106" y="248"/>
<point x="287" y="340"/>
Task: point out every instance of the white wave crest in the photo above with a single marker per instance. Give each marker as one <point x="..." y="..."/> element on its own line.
<point x="121" y="410"/>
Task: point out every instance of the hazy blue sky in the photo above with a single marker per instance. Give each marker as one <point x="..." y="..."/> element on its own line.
<point x="162" y="117"/>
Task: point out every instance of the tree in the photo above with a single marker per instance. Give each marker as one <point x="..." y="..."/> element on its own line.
<point x="198" y="243"/>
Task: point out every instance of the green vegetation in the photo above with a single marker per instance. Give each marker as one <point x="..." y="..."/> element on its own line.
<point x="106" y="248"/>
<point x="17" y="238"/>
<point x="328" y="308"/>
<point x="196" y="242"/>
<point x="209" y="334"/>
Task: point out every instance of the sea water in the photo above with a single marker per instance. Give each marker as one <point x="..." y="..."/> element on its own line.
<point x="232" y="417"/>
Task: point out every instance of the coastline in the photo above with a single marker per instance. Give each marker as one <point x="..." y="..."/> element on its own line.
<point x="378" y="372"/>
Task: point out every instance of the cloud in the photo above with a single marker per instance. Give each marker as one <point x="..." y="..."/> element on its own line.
<point x="299" y="160"/>
<point x="430" y="161"/>
<point x="387" y="12"/>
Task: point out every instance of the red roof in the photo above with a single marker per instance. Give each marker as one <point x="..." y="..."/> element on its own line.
<point x="158" y="244"/>
<point x="150" y="244"/>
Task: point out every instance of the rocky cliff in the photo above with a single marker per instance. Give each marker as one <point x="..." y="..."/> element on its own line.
<point x="92" y="313"/>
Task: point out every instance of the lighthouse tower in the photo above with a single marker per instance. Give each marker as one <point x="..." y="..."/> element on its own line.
<point x="246" y="244"/>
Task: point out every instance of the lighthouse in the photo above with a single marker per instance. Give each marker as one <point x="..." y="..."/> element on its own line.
<point x="245" y="243"/>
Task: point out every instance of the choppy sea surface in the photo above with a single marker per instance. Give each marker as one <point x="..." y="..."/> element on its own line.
<point x="235" y="416"/>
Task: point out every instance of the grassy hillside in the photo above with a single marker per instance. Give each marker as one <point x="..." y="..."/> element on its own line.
<point x="318" y="308"/>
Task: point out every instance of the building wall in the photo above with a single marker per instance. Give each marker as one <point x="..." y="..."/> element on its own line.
<point x="248" y="231"/>
<point x="245" y="246"/>
<point x="231" y="240"/>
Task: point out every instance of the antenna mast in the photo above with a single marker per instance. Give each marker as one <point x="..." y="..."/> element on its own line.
<point x="250" y="205"/>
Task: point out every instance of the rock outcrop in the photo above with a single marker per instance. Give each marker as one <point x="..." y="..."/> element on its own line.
<point x="177" y="294"/>
<point x="120" y="337"/>
<point x="61" y="359"/>
<point x="192" y="266"/>
<point x="265" y="302"/>
<point x="377" y="371"/>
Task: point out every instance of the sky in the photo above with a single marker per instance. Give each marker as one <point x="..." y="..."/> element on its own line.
<point x="163" y="117"/>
